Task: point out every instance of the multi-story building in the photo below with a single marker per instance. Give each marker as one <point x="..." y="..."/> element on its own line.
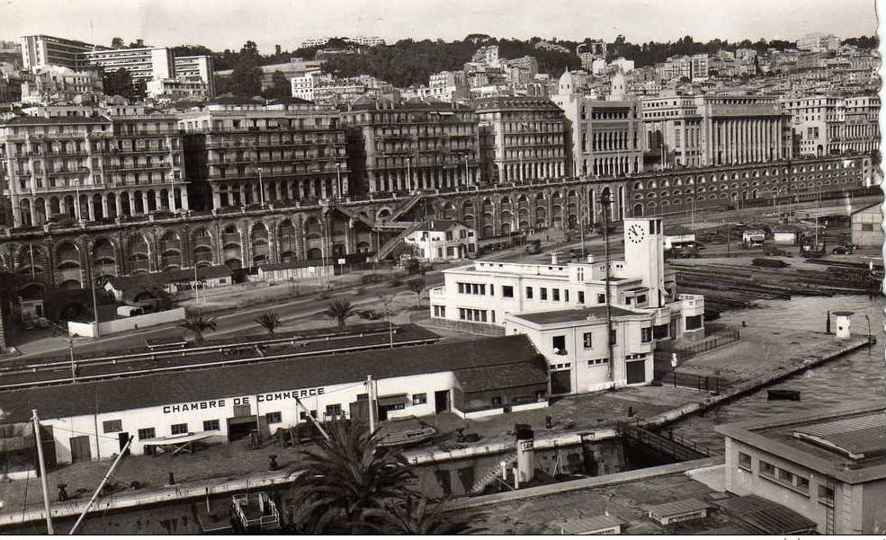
<point x="829" y="124"/>
<point x="92" y="168"/>
<point x="605" y="137"/>
<point x="626" y="66"/>
<point x="196" y="68"/>
<point x="41" y="51"/>
<point x="527" y="138"/>
<point x="442" y="240"/>
<point x="145" y="63"/>
<point x="296" y="67"/>
<point x="303" y="85"/>
<point x="745" y="54"/>
<point x="175" y="89"/>
<point x="818" y="42"/>
<point x="487" y="56"/>
<point x="412" y="145"/>
<point x="241" y="153"/>
<point x="548" y="46"/>
<point x="829" y="466"/>
<point x="367" y="41"/>
<point x="699" y="66"/>
<point x="314" y="42"/>
<point x="448" y="86"/>
<point x="694" y="131"/>
<point x="549" y="301"/>
<point x="59" y="83"/>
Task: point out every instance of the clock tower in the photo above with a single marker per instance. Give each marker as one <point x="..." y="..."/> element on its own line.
<point x="644" y="255"/>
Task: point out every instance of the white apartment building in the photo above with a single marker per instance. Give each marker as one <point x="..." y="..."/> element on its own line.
<point x="488" y="56"/>
<point x="489" y="291"/>
<point x="177" y="89"/>
<point x="818" y="42"/>
<point x="448" y="86"/>
<point x="303" y="86"/>
<point x="574" y="343"/>
<point x="147" y="63"/>
<point x="39" y="51"/>
<point x="59" y="82"/>
<point x="196" y="68"/>
<point x="829" y="124"/>
<point x="625" y="65"/>
<point x="440" y="240"/>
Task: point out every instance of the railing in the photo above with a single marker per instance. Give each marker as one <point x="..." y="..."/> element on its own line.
<point x="673" y="445"/>
<point x="704" y="383"/>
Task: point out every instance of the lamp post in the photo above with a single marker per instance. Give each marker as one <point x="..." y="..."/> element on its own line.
<point x="261" y="191"/>
<point x="338" y="176"/>
<point x="409" y="172"/>
<point x="467" y="172"/>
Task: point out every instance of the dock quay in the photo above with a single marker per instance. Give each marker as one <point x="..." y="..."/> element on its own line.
<point x="789" y="353"/>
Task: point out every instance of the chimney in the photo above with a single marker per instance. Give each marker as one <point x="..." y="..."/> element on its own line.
<point x="554" y="258"/>
<point x="525" y="452"/>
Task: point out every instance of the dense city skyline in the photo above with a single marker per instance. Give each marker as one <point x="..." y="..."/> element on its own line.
<point x="229" y="24"/>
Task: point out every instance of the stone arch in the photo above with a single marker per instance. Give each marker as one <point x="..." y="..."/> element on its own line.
<point x="259" y="240"/>
<point x="286" y="241"/>
<point x="232" y="247"/>
<point x="638" y="210"/>
<point x="104" y="258"/>
<point x="170" y="249"/>
<point x="313" y="234"/>
<point x="202" y="247"/>
<point x="68" y="267"/>
<point x="138" y="254"/>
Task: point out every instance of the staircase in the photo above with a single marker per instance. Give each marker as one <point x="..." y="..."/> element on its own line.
<point x="406" y="207"/>
<point x="389" y="246"/>
<point x="481" y="483"/>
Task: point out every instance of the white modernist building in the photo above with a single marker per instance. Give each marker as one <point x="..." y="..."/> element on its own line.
<point x="641" y="291"/>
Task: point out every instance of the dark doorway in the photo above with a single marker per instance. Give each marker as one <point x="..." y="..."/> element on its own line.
<point x="441" y="401"/>
<point x="360" y="409"/>
<point x="561" y="382"/>
<point x="636" y="371"/>
<point x="80" y="450"/>
<point x="240" y="427"/>
<point x="123" y="438"/>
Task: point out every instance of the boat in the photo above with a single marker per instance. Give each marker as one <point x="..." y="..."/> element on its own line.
<point x="408" y="437"/>
<point x="791" y="395"/>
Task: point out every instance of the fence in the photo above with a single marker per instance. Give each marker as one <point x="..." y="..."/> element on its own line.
<point x="717" y="335"/>
<point x="479" y="329"/>
<point x="705" y="383"/>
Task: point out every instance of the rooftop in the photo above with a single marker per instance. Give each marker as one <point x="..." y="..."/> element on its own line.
<point x="575" y="315"/>
<point x="279" y="375"/>
<point x="848" y="444"/>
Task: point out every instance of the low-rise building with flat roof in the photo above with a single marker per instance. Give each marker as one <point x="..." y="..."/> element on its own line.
<point x="829" y="466"/>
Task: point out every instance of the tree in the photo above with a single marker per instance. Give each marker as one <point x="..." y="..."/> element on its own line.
<point x="417" y="285"/>
<point x="347" y="484"/>
<point x="246" y="77"/>
<point x="414" y="517"/>
<point x="270" y="321"/>
<point x="412" y="266"/>
<point x="280" y="87"/>
<point x="118" y="43"/>
<point x="339" y="310"/>
<point x="118" y="83"/>
<point x="197" y="325"/>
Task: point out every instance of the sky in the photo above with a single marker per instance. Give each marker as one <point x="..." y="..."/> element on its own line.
<point x="221" y="24"/>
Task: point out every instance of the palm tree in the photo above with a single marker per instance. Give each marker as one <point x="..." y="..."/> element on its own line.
<point x="414" y="517"/>
<point x="270" y="321"/>
<point x="197" y="325"/>
<point x="347" y="483"/>
<point x="339" y="310"/>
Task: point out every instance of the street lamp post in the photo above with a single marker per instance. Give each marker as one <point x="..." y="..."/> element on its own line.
<point x="261" y="191"/>
<point x="338" y="175"/>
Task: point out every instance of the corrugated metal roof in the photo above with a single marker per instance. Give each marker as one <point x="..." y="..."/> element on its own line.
<point x="677" y="507"/>
<point x="588" y="525"/>
<point x="766" y="516"/>
<point x="859" y="437"/>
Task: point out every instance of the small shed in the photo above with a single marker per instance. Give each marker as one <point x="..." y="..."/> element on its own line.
<point x="603" y="524"/>
<point x="677" y="511"/>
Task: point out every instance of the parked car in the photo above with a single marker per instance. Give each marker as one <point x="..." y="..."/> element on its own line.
<point x="843" y="250"/>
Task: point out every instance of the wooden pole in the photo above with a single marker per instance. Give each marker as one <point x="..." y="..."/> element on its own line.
<point x="102" y="485"/>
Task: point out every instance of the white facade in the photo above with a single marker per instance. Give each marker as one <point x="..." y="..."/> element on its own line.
<point x="196" y="68"/>
<point x="443" y="241"/>
<point x="273" y="410"/>
<point x="489" y="291"/>
<point x="575" y="345"/>
<point x="147" y="63"/>
<point x="303" y="86"/>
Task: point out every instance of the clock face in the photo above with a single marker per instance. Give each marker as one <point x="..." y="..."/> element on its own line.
<point x="636" y="233"/>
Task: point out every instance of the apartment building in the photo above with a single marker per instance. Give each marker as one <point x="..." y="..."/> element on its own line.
<point x="605" y="137"/>
<point x="448" y="86"/>
<point x="694" y="131"/>
<point x="551" y="302"/>
<point x="40" y="51"/>
<point x="412" y="145"/>
<point x="196" y="68"/>
<point x="830" y="124"/>
<point x="59" y="83"/>
<point x="92" y="168"/>
<point x="527" y="139"/>
<point x="487" y="56"/>
<point x="145" y="63"/>
<point x="241" y="153"/>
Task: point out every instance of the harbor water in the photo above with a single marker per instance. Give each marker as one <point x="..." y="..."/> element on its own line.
<point x="857" y="377"/>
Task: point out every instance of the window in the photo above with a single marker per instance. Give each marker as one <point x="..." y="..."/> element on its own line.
<point x="543" y="292"/>
<point x="581" y="297"/>
<point x="825" y="495"/>
<point x="646" y="334"/>
<point x="601" y="298"/>
<point x="110" y="426"/>
<point x="641" y="299"/>
<point x="303" y="416"/>
<point x="785" y="476"/>
<point x="210" y="425"/>
<point x="146" y="433"/>
<point x="507" y="291"/>
<point x="179" y="429"/>
<point x="867" y="227"/>
<point x="419" y="399"/>
<point x="274" y="417"/>
<point x="613" y="338"/>
<point x="565" y="295"/>
<point x="559" y="344"/>
<point x="529" y="293"/>
<point x="588" y="340"/>
<point x="598" y="362"/>
<point x="580" y="274"/>
<point x="556" y="294"/>
<point x="693" y="323"/>
<point x="744" y="461"/>
<point x="803" y="484"/>
<point x="767" y="469"/>
<point x="333" y="410"/>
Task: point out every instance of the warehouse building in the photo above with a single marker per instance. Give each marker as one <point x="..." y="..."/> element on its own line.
<point x="93" y="420"/>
